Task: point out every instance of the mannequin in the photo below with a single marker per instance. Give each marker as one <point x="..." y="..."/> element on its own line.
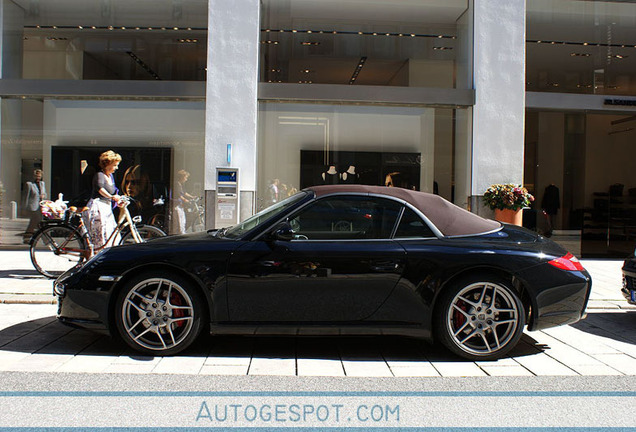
<point x="331" y="175"/>
<point x="551" y="203"/>
<point x="350" y="176"/>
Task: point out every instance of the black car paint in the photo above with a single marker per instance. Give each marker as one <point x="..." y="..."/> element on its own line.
<point x="629" y="279"/>
<point x="405" y="277"/>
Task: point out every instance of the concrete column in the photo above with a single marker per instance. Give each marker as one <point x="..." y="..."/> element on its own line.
<point x="11" y="31"/>
<point x="499" y="82"/>
<point x="231" y="96"/>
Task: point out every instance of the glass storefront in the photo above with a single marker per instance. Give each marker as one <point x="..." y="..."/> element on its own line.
<point x="586" y="47"/>
<point x="396" y="43"/>
<point x="304" y="144"/>
<point x="109" y="42"/>
<point x="115" y="40"/>
<point x="581" y="169"/>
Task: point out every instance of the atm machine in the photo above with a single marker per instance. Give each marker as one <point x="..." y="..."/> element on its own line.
<point x="226" y="206"/>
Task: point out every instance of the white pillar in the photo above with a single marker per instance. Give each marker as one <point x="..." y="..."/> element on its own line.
<point x="11" y="33"/>
<point x="231" y="96"/>
<point x="499" y="82"/>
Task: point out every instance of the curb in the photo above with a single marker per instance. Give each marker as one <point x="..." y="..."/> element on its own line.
<point x="27" y="299"/>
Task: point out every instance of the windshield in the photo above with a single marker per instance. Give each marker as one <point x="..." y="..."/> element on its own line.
<point x="262" y="216"/>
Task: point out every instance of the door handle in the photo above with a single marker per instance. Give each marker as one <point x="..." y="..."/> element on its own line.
<point x="386" y="266"/>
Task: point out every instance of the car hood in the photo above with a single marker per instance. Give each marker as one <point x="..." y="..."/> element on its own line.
<point x="174" y="245"/>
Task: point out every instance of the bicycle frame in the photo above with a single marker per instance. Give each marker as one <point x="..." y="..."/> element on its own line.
<point x="125" y="220"/>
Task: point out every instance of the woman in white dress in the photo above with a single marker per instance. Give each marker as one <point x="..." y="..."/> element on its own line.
<point x="101" y="221"/>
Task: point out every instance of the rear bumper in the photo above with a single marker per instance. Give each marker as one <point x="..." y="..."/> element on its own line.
<point x="560" y="297"/>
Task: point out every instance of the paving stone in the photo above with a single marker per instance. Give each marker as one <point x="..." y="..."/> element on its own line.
<point x="124" y="368"/>
<point x="458" y="369"/>
<point x="517" y="370"/>
<point x="132" y="358"/>
<point x="41" y="362"/>
<point x="319" y="367"/>
<point x="318" y="357"/>
<point x="541" y="364"/>
<point x="273" y="356"/>
<point x="272" y="366"/>
<point x="581" y="339"/>
<point x="223" y="370"/>
<point x="425" y="369"/>
<point x="9" y="358"/>
<point x="87" y="364"/>
<point x="621" y="362"/>
<point x="366" y="368"/>
<point x="179" y="365"/>
<point x="564" y="353"/>
<point x="596" y="370"/>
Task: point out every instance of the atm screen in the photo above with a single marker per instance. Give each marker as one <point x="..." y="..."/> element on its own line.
<point x="226" y="176"/>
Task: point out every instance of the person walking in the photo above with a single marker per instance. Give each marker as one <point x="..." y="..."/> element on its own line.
<point x="101" y="221"/>
<point x="35" y="192"/>
<point x="181" y="197"/>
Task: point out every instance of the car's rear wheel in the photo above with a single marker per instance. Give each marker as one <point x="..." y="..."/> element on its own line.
<point x="159" y="314"/>
<point x="479" y="318"/>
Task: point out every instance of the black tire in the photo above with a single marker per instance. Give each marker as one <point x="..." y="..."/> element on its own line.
<point x="146" y="232"/>
<point x="159" y="220"/>
<point x="159" y="314"/>
<point x="479" y="318"/>
<point x="55" y="249"/>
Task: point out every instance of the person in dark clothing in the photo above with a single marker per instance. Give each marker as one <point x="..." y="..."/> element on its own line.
<point x="36" y="192"/>
<point x="551" y="203"/>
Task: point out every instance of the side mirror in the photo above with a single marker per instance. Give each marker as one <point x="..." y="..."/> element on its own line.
<point x="283" y="232"/>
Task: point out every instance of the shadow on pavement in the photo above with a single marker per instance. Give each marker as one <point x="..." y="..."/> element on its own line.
<point x="618" y="326"/>
<point x="48" y="336"/>
<point x="21" y="274"/>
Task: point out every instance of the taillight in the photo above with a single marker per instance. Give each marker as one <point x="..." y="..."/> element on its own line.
<point x="567" y="262"/>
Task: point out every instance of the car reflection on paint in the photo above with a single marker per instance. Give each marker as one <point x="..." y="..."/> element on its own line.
<point x="329" y="260"/>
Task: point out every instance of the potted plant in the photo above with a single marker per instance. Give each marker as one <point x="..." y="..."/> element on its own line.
<point x="508" y="201"/>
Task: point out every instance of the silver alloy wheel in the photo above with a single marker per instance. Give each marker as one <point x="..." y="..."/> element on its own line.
<point x="482" y="318"/>
<point x="157" y="314"/>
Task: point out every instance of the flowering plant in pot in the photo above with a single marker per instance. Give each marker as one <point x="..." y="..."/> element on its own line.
<point x="507" y="200"/>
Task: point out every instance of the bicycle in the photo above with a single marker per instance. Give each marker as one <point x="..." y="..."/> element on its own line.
<point x="61" y="244"/>
<point x="195" y="215"/>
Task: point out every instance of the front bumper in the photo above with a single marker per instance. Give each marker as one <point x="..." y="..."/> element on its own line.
<point x="85" y="304"/>
<point x="629" y="281"/>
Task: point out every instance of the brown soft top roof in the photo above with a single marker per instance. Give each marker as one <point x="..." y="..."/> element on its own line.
<point x="450" y="219"/>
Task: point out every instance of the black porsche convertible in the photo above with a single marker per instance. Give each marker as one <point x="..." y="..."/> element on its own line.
<point x="334" y="260"/>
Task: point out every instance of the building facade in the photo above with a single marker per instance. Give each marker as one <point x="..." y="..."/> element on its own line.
<point x="441" y="96"/>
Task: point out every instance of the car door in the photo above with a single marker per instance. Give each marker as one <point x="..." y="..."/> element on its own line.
<point x="340" y="265"/>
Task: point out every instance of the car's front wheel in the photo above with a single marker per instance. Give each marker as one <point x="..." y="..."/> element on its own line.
<point x="479" y="318"/>
<point x="159" y="314"/>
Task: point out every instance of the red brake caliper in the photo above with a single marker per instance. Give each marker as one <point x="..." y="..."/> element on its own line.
<point x="175" y="299"/>
<point x="459" y="318"/>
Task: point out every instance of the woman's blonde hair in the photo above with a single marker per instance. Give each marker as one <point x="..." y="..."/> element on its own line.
<point x="182" y="174"/>
<point x="108" y="157"/>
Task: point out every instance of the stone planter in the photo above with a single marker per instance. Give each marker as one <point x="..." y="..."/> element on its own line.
<point x="514" y="217"/>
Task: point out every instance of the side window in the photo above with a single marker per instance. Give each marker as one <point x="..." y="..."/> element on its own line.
<point x="411" y="225"/>
<point x="346" y="218"/>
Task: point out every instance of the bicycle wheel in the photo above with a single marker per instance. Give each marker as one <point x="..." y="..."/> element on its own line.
<point x="146" y="232"/>
<point x="55" y="249"/>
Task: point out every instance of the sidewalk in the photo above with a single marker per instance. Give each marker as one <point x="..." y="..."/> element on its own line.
<point x="21" y="283"/>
